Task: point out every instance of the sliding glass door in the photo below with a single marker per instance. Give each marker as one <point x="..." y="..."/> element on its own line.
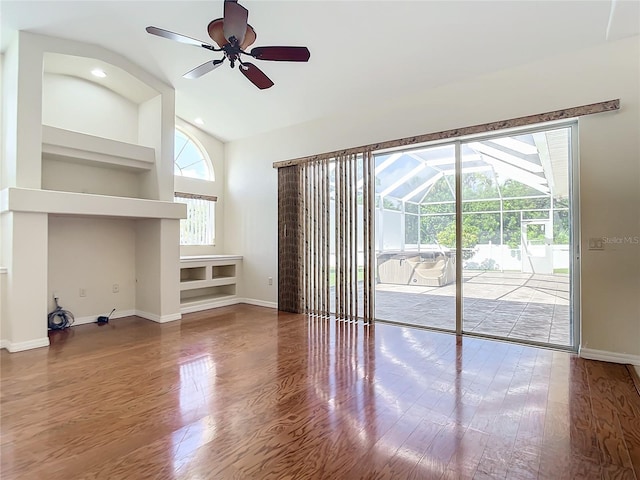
<point x="475" y="236"/>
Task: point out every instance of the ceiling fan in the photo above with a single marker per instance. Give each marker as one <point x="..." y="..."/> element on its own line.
<point x="234" y="35"/>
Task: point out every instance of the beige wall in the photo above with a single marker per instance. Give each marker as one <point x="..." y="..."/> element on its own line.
<point x="3" y="289"/>
<point x="609" y="158"/>
<point x="92" y="254"/>
<point x="76" y="104"/>
<point x="610" y="205"/>
<point x="83" y="178"/>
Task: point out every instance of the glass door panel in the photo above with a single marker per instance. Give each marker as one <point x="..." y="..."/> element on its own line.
<point x="415" y="237"/>
<point x="516" y="237"/>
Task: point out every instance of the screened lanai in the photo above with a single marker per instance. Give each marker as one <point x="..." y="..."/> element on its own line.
<point x="515" y="218"/>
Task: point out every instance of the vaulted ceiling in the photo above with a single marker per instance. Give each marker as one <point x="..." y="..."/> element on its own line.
<point x="364" y="54"/>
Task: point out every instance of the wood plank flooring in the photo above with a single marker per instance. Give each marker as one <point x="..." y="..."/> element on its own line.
<point x="245" y="392"/>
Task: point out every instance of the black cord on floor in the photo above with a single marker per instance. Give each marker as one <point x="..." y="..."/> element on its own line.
<point x="59" y="318"/>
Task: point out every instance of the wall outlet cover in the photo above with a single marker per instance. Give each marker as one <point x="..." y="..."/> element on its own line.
<point x="596" y="244"/>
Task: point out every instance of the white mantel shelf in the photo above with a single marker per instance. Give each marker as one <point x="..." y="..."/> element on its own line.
<point x="68" y="203"/>
<point x="69" y="146"/>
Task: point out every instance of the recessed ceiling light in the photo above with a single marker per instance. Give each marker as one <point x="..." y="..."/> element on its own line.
<point x="199" y="121"/>
<point x="98" y="72"/>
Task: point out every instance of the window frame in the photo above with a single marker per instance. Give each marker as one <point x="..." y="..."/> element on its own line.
<point x="203" y="232"/>
<point x="204" y="157"/>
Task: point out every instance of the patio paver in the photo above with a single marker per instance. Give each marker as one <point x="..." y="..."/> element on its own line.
<point x="513" y="305"/>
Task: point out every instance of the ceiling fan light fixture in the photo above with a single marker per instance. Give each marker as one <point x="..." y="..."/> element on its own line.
<point x="216" y="32"/>
<point x="249" y="37"/>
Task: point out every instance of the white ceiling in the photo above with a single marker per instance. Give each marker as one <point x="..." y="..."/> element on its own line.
<point x="364" y="54"/>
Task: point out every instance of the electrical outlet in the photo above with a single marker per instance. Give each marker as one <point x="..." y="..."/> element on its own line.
<point x="83" y="292"/>
<point x="270" y="280"/>
<point x="596" y="244"/>
<point x="115" y="288"/>
<point x="55" y="295"/>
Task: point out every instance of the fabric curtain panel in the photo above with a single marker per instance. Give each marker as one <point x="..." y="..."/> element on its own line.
<point x="325" y="210"/>
<point x="290" y="238"/>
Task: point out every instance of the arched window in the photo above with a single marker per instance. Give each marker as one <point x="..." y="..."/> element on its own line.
<point x="190" y="162"/>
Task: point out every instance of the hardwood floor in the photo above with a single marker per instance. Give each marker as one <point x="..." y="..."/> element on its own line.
<point x="250" y="393"/>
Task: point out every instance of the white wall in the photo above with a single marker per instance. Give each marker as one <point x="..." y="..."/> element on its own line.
<point x="214" y="148"/>
<point x="610" y="169"/>
<point x="610" y="201"/>
<point x="24" y="249"/>
<point x="5" y="254"/>
<point x="92" y="254"/>
<point x="3" y="289"/>
<point x="2" y="114"/>
<point x="21" y="114"/>
<point x="76" y="104"/>
<point x="157" y="266"/>
<point x="83" y="178"/>
<point x="85" y="253"/>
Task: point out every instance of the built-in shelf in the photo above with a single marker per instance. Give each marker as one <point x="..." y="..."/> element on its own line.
<point x="193" y="274"/>
<point x="223" y="271"/>
<point x="68" y="203"/>
<point x="75" y="147"/>
<point x="208" y="281"/>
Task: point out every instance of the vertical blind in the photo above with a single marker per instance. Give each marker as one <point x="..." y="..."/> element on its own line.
<point x="332" y="236"/>
<point x="199" y="226"/>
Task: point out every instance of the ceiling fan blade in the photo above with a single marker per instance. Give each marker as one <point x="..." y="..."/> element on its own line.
<point x="281" y="54"/>
<point x="235" y="21"/>
<point x="202" y="69"/>
<point x="256" y="76"/>
<point x="160" y="32"/>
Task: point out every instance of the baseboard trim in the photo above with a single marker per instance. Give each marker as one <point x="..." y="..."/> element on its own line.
<point x="28" y="345"/>
<point x="158" y="318"/>
<point x="259" y="303"/>
<point x="94" y="318"/>
<point x="198" y="307"/>
<point x="613" y="357"/>
<point x="225" y="303"/>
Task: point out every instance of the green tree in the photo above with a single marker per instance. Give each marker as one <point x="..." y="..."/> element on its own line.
<point x="481" y="218"/>
<point x="561" y="231"/>
<point x="411" y="226"/>
<point x="447" y="238"/>
<point x="431" y="225"/>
